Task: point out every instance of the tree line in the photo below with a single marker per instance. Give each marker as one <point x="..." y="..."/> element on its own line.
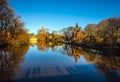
<point x="105" y="33"/>
<point x="12" y="29"/>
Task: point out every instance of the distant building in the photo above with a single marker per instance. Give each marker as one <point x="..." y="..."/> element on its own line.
<point x="42" y="30"/>
<point x="78" y="35"/>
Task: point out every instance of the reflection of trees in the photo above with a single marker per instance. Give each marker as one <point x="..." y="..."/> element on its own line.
<point x="42" y="46"/>
<point x="69" y="50"/>
<point x="10" y="58"/>
<point x="45" y="45"/>
<point x="72" y="51"/>
<point x="108" y="65"/>
<point x="110" y="74"/>
<point x="110" y="61"/>
<point x="90" y="57"/>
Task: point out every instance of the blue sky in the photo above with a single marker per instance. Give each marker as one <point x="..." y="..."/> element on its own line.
<point x="58" y="14"/>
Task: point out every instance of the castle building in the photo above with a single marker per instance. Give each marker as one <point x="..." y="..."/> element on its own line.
<point x="77" y="33"/>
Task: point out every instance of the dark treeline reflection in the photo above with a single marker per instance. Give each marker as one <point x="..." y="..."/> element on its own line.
<point x="10" y="58"/>
<point x="109" y="61"/>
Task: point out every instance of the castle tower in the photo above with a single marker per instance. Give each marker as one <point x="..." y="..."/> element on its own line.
<point x="43" y="30"/>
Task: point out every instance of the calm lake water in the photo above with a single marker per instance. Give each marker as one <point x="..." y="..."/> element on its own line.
<point x="57" y="62"/>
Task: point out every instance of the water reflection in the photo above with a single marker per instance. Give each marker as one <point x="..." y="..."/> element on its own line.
<point x="20" y="63"/>
<point x="72" y="51"/>
<point x="107" y="65"/>
<point x="10" y="58"/>
<point x="110" y="61"/>
<point x="44" y="46"/>
<point x="68" y="50"/>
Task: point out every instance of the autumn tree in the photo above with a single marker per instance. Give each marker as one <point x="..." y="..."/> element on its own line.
<point x="114" y="29"/>
<point x="6" y="16"/>
<point x="43" y="34"/>
<point x="90" y="32"/>
<point x="67" y="33"/>
<point x="90" y="29"/>
<point x="11" y="26"/>
<point x="54" y="33"/>
<point x="108" y="30"/>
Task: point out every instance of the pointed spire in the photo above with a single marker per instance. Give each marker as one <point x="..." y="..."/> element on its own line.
<point x="76" y="28"/>
<point x="43" y="27"/>
<point x="43" y="30"/>
<point x="77" y="24"/>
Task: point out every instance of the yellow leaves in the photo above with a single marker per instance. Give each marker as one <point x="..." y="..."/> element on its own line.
<point x="41" y="37"/>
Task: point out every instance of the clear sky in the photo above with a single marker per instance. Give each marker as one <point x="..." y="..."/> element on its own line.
<point x="58" y="14"/>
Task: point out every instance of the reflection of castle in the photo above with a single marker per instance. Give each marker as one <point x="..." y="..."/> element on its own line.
<point x="74" y="52"/>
